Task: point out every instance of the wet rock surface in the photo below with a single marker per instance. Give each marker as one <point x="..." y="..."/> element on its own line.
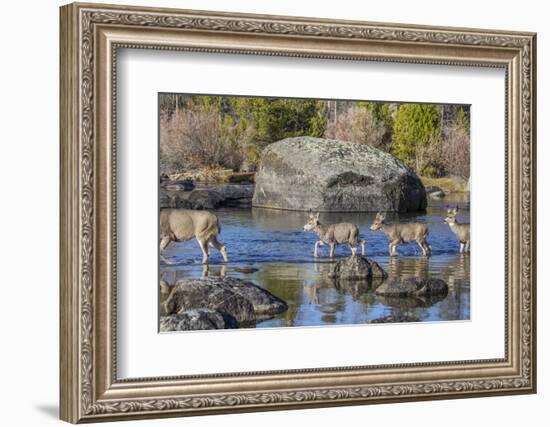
<point x="335" y="176"/>
<point x="357" y="268"/>
<point x="412" y="286"/>
<point x="197" y="320"/>
<point x="239" y="299"/>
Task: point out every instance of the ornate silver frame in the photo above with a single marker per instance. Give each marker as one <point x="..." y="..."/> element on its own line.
<point x="90" y="36"/>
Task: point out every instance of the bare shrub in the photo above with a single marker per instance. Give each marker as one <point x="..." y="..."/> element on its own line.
<point x="456" y="151"/>
<point x="358" y="125"/>
<point x="427" y="157"/>
<point x="201" y="137"/>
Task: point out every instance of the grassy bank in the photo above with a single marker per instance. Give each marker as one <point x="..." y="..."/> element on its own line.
<point x="214" y="176"/>
<point x="451" y="184"/>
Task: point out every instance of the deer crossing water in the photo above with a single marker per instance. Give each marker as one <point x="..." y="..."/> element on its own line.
<point x="272" y="245"/>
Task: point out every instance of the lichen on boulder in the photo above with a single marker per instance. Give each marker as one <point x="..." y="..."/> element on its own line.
<point x="325" y="175"/>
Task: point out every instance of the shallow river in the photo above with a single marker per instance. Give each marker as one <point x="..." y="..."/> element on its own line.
<point x="273" y="243"/>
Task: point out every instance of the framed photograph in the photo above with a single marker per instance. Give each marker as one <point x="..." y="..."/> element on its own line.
<point x="267" y="212"/>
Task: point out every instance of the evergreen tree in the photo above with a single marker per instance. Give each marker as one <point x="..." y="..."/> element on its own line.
<point x="416" y="136"/>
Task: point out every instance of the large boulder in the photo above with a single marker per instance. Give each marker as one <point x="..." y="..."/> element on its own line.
<point x="413" y="287"/>
<point x="237" y="298"/>
<point x="197" y="320"/>
<point x="324" y="175"/>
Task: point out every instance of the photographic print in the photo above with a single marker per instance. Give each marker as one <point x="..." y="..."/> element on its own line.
<point x="280" y="212"/>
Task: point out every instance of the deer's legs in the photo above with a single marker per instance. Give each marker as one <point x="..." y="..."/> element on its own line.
<point x="461" y="247"/>
<point x="422" y="248"/>
<point x="467" y="246"/>
<point x="393" y="249"/>
<point x="317" y="243"/>
<point x="332" y="245"/>
<point x="219" y="246"/>
<point x="353" y="249"/>
<point x="204" y="249"/>
<point x="363" y="247"/>
<point x="164" y="242"/>
<point x="426" y="250"/>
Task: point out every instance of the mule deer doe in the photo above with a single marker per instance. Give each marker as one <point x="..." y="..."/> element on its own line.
<point x="180" y="225"/>
<point x="402" y="233"/>
<point x="461" y="231"/>
<point x="334" y="235"/>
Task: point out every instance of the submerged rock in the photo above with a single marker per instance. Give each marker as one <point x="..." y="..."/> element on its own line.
<point x="413" y="286"/>
<point x="197" y="320"/>
<point x="238" y="298"/>
<point x="324" y="175"/>
<point x="246" y="270"/>
<point x="357" y="268"/>
<point x="355" y="288"/>
<point x="437" y="195"/>
<point x="183" y="185"/>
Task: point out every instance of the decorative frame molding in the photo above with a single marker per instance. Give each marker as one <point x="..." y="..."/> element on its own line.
<point x="90" y="36"/>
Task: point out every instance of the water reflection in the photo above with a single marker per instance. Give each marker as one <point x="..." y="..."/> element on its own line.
<point x="270" y="248"/>
<point x="408" y="267"/>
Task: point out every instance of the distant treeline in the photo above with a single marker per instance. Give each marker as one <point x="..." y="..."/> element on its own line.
<point x="230" y="132"/>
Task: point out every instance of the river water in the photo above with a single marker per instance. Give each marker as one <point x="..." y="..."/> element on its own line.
<point x="270" y="248"/>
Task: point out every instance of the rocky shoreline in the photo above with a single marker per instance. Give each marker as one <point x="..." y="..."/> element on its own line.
<point x="205" y="196"/>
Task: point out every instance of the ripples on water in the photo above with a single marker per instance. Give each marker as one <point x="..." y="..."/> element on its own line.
<point x="274" y="242"/>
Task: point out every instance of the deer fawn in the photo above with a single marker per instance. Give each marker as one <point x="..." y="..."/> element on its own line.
<point x="334" y="235"/>
<point x="402" y="233"/>
<point x="461" y="231"/>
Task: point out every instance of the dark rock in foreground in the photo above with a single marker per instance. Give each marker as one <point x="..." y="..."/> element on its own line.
<point x="357" y="268"/>
<point x="413" y="286"/>
<point x="395" y="318"/>
<point x="197" y="320"/>
<point x="334" y="176"/>
<point x="237" y="298"/>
